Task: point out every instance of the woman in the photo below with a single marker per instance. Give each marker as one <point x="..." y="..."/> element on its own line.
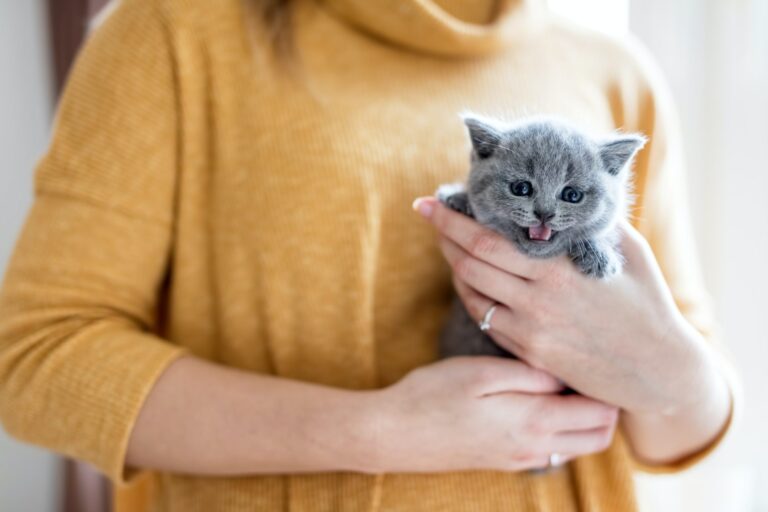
<point x="221" y="278"/>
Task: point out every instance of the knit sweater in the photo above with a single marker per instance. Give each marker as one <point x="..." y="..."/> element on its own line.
<point x="202" y="194"/>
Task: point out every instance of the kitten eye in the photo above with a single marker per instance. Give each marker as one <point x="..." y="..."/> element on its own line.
<point x="571" y="195"/>
<point x="521" y="188"/>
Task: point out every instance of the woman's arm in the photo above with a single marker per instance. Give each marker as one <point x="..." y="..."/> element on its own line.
<point x="705" y="407"/>
<point x="203" y="418"/>
<point x="623" y="342"/>
<point x="662" y="438"/>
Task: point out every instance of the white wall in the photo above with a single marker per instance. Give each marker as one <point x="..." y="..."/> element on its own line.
<point x="715" y="55"/>
<point x="29" y="477"/>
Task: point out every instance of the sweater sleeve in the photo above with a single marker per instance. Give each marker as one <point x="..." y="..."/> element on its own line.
<point x="79" y="349"/>
<point x="661" y="214"/>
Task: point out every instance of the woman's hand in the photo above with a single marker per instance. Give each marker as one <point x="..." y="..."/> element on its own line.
<point x="483" y="413"/>
<point x="622" y="341"/>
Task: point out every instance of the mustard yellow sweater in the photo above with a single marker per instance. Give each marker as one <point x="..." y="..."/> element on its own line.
<point x="200" y="197"/>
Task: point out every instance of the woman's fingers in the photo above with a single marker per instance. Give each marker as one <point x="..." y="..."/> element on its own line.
<point x="496" y="284"/>
<point x="506" y="327"/>
<point x="582" y="442"/>
<point x="567" y="446"/>
<point x="475" y="302"/>
<point x="488" y="375"/>
<point x="553" y="414"/>
<point x="477" y="305"/>
<point x="570" y="426"/>
<point x="574" y="413"/>
<point x="479" y="241"/>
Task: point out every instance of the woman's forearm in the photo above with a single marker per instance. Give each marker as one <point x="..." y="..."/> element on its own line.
<point x="203" y="418"/>
<point x="462" y="413"/>
<point x="666" y="437"/>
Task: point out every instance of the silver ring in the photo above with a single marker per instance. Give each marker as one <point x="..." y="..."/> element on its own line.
<point x="555" y="459"/>
<point x="485" y="324"/>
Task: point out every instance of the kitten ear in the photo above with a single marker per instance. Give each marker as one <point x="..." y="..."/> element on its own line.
<point x="484" y="136"/>
<point x="617" y="152"/>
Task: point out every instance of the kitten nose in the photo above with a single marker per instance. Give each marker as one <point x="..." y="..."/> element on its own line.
<point x="544" y="216"/>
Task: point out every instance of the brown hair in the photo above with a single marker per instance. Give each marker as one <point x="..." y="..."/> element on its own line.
<point x="276" y="16"/>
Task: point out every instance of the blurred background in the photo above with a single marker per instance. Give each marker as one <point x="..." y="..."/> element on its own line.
<point x="714" y="54"/>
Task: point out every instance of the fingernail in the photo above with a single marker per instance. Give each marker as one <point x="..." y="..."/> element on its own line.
<point x="423" y="206"/>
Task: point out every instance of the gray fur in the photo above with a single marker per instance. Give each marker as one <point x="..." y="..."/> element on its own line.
<point x="551" y="155"/>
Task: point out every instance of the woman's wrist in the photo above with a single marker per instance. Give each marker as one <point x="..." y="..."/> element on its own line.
<point x="698" y="378"/>
<point x="659" y="439"/>
<point x="698" y="407"/>
<point x="203" y="418"/>
<point x="341" y="429"/>
<point x="364" y="439"/>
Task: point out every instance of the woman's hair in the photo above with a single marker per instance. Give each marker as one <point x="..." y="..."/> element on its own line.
<point x="276" y="16"/>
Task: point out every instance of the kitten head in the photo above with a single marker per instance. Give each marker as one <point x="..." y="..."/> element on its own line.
<point x="544" y="184"/>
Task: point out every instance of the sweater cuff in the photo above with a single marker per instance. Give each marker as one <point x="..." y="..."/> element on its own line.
<point x="82" y="398"/>
<point x="154" y="357"/>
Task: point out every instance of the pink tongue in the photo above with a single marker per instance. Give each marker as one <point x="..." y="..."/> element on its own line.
<point x="540" y="232"/>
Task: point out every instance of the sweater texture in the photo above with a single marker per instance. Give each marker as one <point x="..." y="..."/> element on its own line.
<point x="202" y="194"/>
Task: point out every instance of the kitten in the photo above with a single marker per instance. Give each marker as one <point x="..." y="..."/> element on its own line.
<point x="548" y="188"/>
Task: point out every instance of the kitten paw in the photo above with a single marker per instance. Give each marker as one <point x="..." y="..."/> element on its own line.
<point x="454" y="197"/>
<point x="598" y="263"/>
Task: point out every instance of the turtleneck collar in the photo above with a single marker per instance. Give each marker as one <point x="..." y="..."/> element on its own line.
<point x="430" y="25"/>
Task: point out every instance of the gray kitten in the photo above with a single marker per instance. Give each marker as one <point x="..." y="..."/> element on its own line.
<point x="550" y="189"/>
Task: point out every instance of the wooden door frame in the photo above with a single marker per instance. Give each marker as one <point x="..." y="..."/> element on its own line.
<point x="69" y="26"/>
<point x="84" y="489"/>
